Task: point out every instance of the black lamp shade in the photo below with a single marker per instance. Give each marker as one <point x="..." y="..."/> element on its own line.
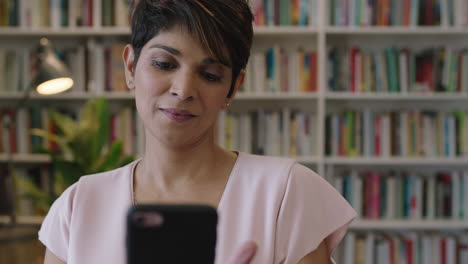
<point x="52" y="74"/>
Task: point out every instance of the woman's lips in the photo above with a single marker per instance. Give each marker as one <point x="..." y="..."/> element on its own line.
<point x="177" y="114"/>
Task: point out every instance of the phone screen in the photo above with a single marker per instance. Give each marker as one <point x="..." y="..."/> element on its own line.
<point x="171" y="234"/>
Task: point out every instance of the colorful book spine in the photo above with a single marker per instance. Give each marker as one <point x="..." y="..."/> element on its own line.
<point x="410" y="195"/>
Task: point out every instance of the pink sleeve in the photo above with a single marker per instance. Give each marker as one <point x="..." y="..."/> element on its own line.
<point x="55" y="230"/>
<point x="312" y="211"/>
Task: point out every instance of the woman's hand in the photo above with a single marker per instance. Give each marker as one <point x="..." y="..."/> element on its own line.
<point x="245" y="253"/>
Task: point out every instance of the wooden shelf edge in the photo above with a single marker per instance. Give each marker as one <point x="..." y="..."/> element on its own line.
<point x="26" y="158"/>
<point x="22" y="220"/>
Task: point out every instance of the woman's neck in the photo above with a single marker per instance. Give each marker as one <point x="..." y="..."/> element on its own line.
<point x="167" y="168"/>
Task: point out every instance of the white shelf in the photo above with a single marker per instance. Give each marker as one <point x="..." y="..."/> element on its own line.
<point x="276" y="31"/>
<point x="396" y="96"/>
<point x="22" y="220"/>
<point x="397" y="161"/>
<point x="308" y="37"/>
<point x="411" y="31"/>
<point x="26" y="158"/>
<point x="275" y="96"/>
<point x="44" y="158"/>
<point x="67" y="96"/>
<point x="258" y="31"/>
<point x="64" y="32"/>
<point x="361" y="225"/>
<point x="308" y="159"/>
<point x="398" y="225"/>
<point x="130" y="96"/>
<point x="262" y="96"/>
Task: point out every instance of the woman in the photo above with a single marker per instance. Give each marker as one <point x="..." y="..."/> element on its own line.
<point x="185" y="64"/>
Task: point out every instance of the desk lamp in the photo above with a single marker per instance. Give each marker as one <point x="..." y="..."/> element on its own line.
<point x="52" y="77"/>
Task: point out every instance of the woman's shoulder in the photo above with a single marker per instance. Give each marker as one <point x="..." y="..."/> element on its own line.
<point x="121" y="174"/>
<point x="269" y="173"/>
<point x="86" y="206"/>
<point x="99" y="184"/>
<point x="281" y="174"/>
<point x="261" y="162"/>
<point x="272" y="167"/>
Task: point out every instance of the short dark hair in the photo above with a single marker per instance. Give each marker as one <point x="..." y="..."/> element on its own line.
<point x="224" y="27"/>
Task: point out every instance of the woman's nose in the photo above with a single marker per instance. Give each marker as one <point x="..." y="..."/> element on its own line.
<point x="184" y="87"/>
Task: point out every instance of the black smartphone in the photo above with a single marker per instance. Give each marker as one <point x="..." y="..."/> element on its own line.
<point x="171" y="234"/>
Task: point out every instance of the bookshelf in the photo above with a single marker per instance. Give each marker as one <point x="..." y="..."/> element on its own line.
<point x="319" y="35"/>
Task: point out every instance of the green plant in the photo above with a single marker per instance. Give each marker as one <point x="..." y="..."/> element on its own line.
<point x="83" y="150"/>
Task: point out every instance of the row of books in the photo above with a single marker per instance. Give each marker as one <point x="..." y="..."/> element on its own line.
<point x="16" y="69"/>
<point x="106" y="68"/>
<point x="398" y="13"/>
<point x="127" y="127"/>
<point x="270" y="132"/>
<point x="439" y="69"/>
<point x="64" y="13"/>
<point x="18" y="138"/>
<point x="72" y="13"/>
<point x="285" y="12"/>
<point x="405" y="133"/>
<point x="96" y="69"/>
<point x="403" y="248"/>
<point x="405" y="194"/>
<point x="281" y="70"/>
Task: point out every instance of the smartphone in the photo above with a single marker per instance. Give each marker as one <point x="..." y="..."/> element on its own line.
<point x="171" y="234"/>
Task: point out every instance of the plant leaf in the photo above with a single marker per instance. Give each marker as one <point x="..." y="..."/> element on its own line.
<point x="81" y="143"/>
<point x="111" y="159"/>
<point x="125" y="160"/>
<point x="49" y="136"/>
<point x="59" y="183"/>
<point x="88" y="120"/>
<point x="81" y="149"/>
<point x="30" y="188"/>
<point x="69" y="171"/>
<point x="40" y="198"/>
<point x="65" y="124"/>
<point x="102" y="135"/>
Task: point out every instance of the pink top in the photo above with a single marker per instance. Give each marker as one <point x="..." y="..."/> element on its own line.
<point x="284" y="207"/>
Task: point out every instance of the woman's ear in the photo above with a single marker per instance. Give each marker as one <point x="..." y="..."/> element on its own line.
<point x="128" y="57"/>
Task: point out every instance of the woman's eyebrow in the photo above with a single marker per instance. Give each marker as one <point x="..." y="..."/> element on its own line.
<point x="176" y="52"/>
<point x="166" y="48"/>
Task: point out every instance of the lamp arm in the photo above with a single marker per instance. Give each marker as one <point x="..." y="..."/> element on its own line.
<point x="26" y="93"/>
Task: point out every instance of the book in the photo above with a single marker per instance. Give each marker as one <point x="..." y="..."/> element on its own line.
<point x="464" y="194"/>
<point x="349" y="248"/>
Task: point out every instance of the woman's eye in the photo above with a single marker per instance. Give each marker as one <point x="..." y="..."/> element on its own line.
<point x="162" y="65"/>
<point x="211" y="77"/>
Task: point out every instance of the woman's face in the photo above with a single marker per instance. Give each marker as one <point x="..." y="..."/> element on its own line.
<point x="179" y="87"/>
